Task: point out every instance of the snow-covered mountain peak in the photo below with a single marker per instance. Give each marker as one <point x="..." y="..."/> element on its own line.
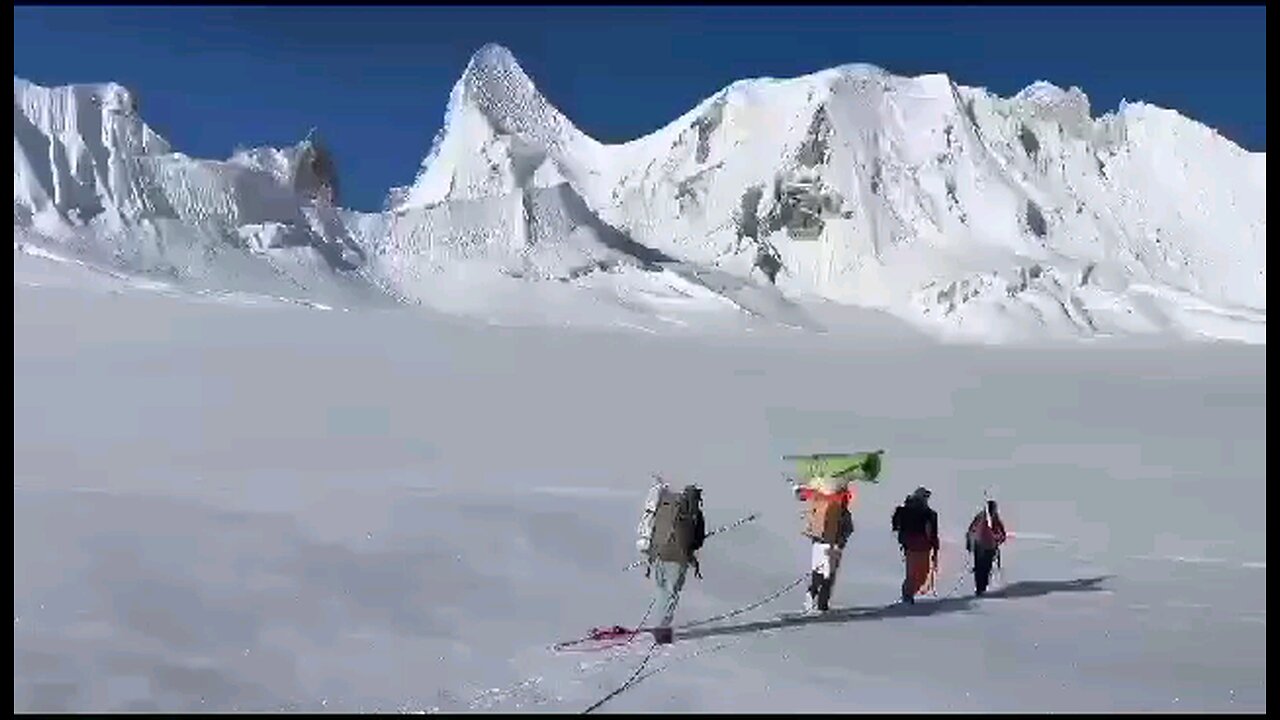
<point x="307" y="167"/>
<point x="495" y="65"/>
<point x="110" y="97"/>
<point x="72" y="145"/>
<point x="496" y="85"/>
<point x="1045" y="101"/>
<point x="944" y="204"/>
<point x="499" y="134"/>
<point x="914" y="194"/>
<point x="91" y="177"/>
<point x="104" y="115"/>
<point x="860" y="70"/>
<point x="1042" y="92"/>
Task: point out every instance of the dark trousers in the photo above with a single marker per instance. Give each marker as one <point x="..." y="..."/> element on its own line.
<point x="983" y="559"/>
<point x="820" y="589"/>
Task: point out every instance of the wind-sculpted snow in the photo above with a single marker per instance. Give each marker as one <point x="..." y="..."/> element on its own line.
<point x="966" y="214"/>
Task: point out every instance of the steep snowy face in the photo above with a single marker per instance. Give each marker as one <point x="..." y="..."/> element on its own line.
<point x="91" y="179"/>
<point x="72" y="147"/>
<point x="499" y="135"/>
<point x="1197" y="199"/>
<point x="944" y="204"/>
<point x="500" y="191"/>
<point x="926" y="198"/>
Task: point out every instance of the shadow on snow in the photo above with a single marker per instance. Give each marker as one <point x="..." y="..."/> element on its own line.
<point x="1021" y="589"/>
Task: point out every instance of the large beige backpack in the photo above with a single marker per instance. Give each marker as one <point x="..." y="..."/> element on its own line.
<point x="822" y="518"/>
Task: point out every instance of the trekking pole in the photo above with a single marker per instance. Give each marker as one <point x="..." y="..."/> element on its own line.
<point x="933" y="577"/>
<point x="734" y="524"/>
<point x="717" y="531"/>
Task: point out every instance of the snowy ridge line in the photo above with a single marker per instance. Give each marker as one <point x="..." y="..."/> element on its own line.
<point x="970" y="216"/>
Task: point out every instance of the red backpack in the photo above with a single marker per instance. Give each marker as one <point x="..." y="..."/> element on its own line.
<point x="986" y="534"/>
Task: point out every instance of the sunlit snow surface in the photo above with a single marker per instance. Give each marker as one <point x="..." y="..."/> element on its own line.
<point x="271" y="454"/>
<point x="231" y="502"/>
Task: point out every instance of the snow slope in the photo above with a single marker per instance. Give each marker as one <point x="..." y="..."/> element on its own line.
<point x="228" y="506"/>
<point x="968" y="215"/>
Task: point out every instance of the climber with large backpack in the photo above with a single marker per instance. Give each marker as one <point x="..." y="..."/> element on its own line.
<point x="985" y="536"/>
<point x="828" y="525"/>
<point x="671" y="532"/>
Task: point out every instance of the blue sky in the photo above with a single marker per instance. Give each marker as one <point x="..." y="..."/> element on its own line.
<point x="375" y="80"/>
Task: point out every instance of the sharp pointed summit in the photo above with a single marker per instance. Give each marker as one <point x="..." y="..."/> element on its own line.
<point x="493" y="61"/>
<point x="499" y="88"/>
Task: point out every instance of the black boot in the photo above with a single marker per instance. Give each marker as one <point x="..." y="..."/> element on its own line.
<point x="824" y="594"/>
<point x="815" y="583"/>
<point x="663" y="635"/>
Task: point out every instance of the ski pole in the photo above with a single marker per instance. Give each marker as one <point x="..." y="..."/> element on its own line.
<point x="722" y="528"/>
